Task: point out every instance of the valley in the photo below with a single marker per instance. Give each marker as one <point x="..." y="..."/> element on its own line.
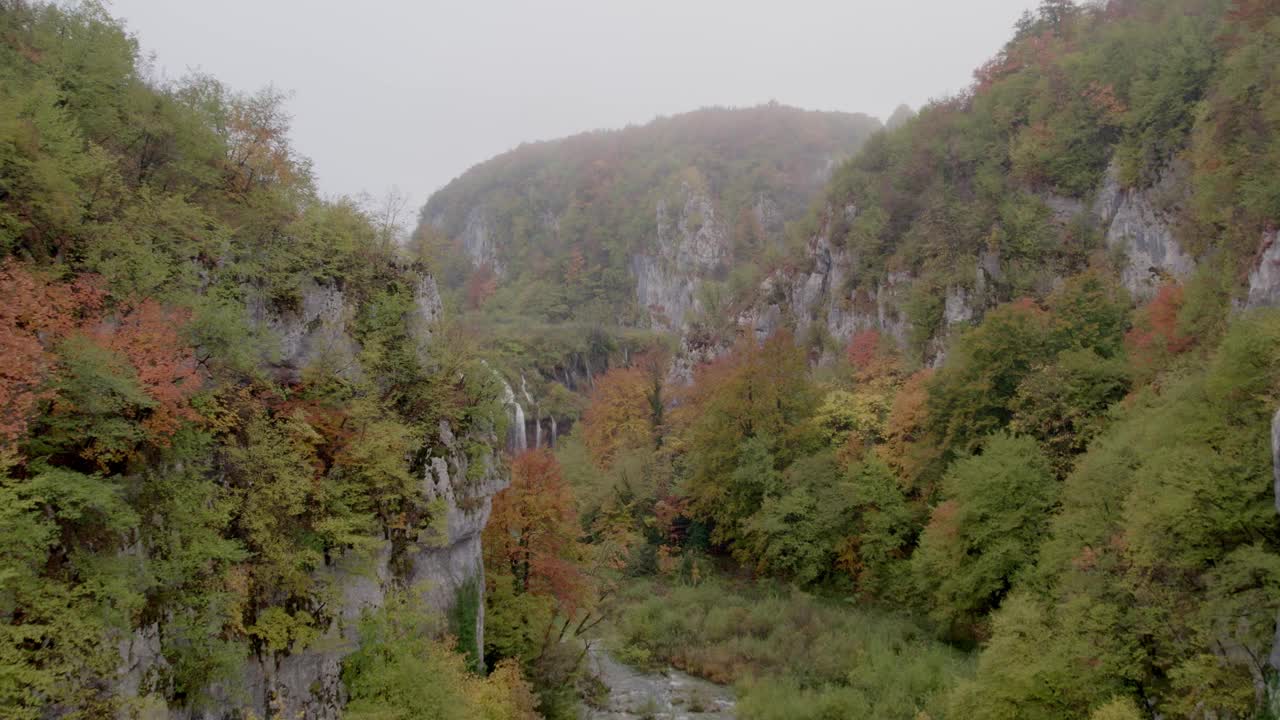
<point x="755" y="412"/>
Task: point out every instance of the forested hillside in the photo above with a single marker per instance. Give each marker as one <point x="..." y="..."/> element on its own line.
<point x="1131" y="137"/>
<point x="1017" y="387"/>
<point x="580" y="209"/>
<point x="228" y="417"/>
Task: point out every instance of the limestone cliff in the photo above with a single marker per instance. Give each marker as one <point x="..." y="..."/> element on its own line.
<point x="690" y="244"/>
<point x="443" y="563"/>
<point x="1136" y="225"/>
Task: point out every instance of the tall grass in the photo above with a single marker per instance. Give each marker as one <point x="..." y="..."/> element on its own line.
<point x="791" y="655"/>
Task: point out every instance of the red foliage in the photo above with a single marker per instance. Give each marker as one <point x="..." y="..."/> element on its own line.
<point x="1104" y="100"/>
<point x="1155" y="332"/>
<point x="332" y="423"/>
<point x="863" y="348"/>
<point x="34" y="315"/>
<point x="533" y="530"/>
<point x="872" y="355"/>
<point x="1253" y="14"/>
<point x="481" y="286"/>
<point x="37" y="313"/>
<point x="148" y="336"/>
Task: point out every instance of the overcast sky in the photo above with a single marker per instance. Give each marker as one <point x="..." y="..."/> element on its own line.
<point x="411" y="93"/>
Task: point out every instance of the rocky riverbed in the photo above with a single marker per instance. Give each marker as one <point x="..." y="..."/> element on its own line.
<point x="667" y="695"/>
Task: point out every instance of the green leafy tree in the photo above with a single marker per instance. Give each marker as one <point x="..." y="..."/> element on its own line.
<point x="984" y="535"/>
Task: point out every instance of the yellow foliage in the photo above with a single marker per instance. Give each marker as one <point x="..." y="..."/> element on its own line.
<point x="619" y="415"/>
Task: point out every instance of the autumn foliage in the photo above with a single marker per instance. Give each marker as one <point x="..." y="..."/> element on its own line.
<point x="148" y="336"/>
<point x="481" y="285"/>
<point x="533" y="530"/>
<point x="873" y="356"/>
<point x="619" y="415"/>
<point x="37" y="314"/>
<point x="34" y="315"/>
<point x="1155" y="335"/>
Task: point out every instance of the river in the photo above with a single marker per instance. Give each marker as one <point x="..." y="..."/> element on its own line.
<point x="669" y="695"/>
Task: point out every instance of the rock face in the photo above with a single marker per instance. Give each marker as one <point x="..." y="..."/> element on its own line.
<point x="691" y="244"/>
<point x="443" y="563"/>
<point x="428" y="309"/>
<point x="826" y="299"/>
<point x="517" y="432"/>
<point x="478" y="240"/>
<point x="1138" y="227"/>
<point x="447" y="566"/>
<point x="312" y="334"/>
<point x="1264" y="279"/>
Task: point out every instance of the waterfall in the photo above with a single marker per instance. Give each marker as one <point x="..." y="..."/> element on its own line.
<point x="517" y="441"/>
<point x="553" y="431"/>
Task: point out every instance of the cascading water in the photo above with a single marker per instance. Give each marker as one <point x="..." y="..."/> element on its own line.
<point x="517" y="440"/>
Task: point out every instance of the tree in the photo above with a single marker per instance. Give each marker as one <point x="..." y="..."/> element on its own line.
<point x="1156" y="337"/>
<point x="969" y="397"/>
<point x="984" y="535"/>
<point x="533" y="529"/>
<point x="1091" y="311"/>
<point x="401" y="671"/>
<point x="907" y="448"/>
<point x="481" y="285"/>
<point x="1064" y="405"/>
<point x="758" y="392"/>
<point x="800" y="522"/>
<point x="883" y="529"/>
<point x="149" y="335"/>
<point x="35" y="314"/>
<point x="542" y="590"/>
<point x="619" y="414"/>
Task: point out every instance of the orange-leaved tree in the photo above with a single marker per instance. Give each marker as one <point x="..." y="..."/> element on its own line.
<point x="1155" y="336"/>
<point x="619" y="416"/>
<point x="148" y="335"/>
<point x="35" y="314"/>
<point x="533" y="531"/>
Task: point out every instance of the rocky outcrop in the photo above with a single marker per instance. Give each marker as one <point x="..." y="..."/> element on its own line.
<point x="441" y="563"/>
<point x="313" y="333"/>
<point x="446" y="566"/>
<point x="478" y="240"/>
<point x="1135" y="222"/>
<point x="428" y="309"/>
<point x="306" y="683"/>
<point x="1138" y="226"/>
<point x="826" y="297"/>
<point x="1264" y="279"/>
<point x="690" y="244"/>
